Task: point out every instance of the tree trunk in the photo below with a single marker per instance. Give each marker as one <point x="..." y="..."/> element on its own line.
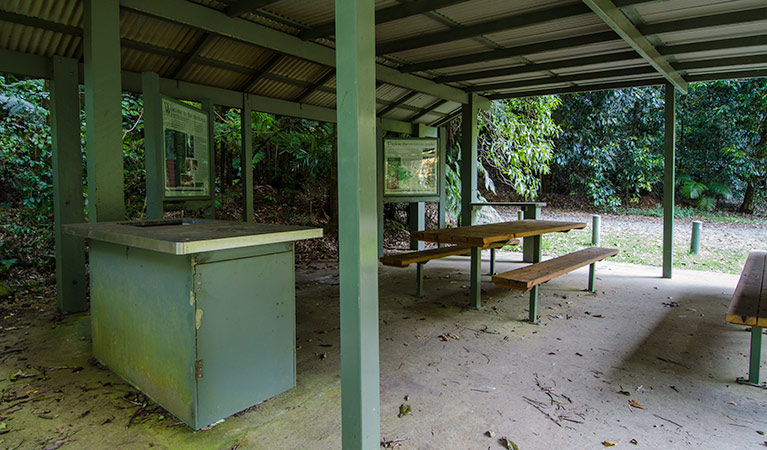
<point x="748" y="198"/>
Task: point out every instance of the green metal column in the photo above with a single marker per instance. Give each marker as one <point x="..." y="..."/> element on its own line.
<point x="103" y="110"/>
<point x="379" y="187"/>
<point x="355" y="64"/>
<point x="468" y="159"/>
<point x="528" y="246"/>
<point x="442" y="175"/>
<point x="416" y="221"/>
<point x="153" y="151"/>
<point x="668" y="181"/>
<point x="246" y="160"/>
<point x="67" y="185"/>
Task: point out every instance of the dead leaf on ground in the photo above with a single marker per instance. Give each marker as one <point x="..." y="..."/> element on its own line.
<point x="609" y="443"/>
<point x="489" y="433"/>
<point x="57" y="444"/>
<point x="404" y="410"/>
<point x="323" y="356"/>
<point x="626" y="393"/>
<point x="636" y="404"/>
<point x="394" y="443"/>
<point x="634" y="441"/>
<point x="508" y="444"/>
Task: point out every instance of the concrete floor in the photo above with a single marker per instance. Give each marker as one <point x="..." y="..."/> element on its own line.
<point x="564" y="384"/>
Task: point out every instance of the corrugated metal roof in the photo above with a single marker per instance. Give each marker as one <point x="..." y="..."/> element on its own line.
<point x="463" y="38"/>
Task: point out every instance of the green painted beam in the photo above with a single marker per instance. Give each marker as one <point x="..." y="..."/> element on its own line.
<point x="67" y="185"/>
<point x="385" y="15"/>
<point x="103" y="110"/>
<point x="493" y="55"/>
<point x="153" y="149"/>
<point x="615" y="19"/>
<point x="447" y="118"/>
<point x="581" y="88"/>
<point x="722" y="62"/>
<point x="718" y="44"/>
<point x="493" y="26"/>
<point x="246" y="160"/>
<point x="37" y="22"/>
<point x="632" y="71"/>
<point x="263" y="70"/>
<point x="714" y="20"/>
<point x="669" y="163"/>
<point x="241" y="7"/>
<point x="25" y="64"/>
<point x="732" y="75"/>
<point x="358" y="261"/>
<point x="213" y="21"/>
<point x="528" y="68"/>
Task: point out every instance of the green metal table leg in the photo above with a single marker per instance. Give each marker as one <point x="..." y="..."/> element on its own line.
<point x="492" y="261"/>
<point x="419" y="279"/>
<point x="534" y="305"/>
<point x="536" y="249"/>
<point x="529" y="244"/>
<point x="592" y="276"/>
<point x="475" y="289"/>
<point x="755" y="360"/>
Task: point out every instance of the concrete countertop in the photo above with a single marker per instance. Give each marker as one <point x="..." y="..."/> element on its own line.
<point x="187" y="236"/>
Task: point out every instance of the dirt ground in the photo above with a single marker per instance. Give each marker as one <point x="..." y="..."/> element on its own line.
<point x="645" y="362"/>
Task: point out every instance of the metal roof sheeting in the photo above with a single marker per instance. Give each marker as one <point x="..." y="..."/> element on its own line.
<point x="539" y="54"/>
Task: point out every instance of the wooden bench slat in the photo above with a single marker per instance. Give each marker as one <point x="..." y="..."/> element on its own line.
<point x="407" y="258"/>
<point x="526" y="277"/>
<point x="749" y="302"/>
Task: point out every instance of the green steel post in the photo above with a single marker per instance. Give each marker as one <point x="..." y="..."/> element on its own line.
<point x="695" y="240"/>
<point x="595" y="226"/>
<point x="668" y="180"/>
<point x="419" y="279"/>
<point x="442" y="176"/>
<point x="475" y="278"/>
<point x="379" y="186"/>
<point x="520" y="215"/>
<point x="246" y="160"/>
<point x="416" y="221"/>
<point x="207" y="106"/>
<point x="592" y="276"/>
<point x="492" y="261"/>
<point x="103" y="110"/>
<point x="536" y="249"/>
<point x="355" y="64"/>
<point x="153" y="151"/>
<point x="533" y="316"/>
<point x="468" y="159"/>
<point x="755" y="358"/>
<point x="67" y="185"/>
<point x="528" y="244"/>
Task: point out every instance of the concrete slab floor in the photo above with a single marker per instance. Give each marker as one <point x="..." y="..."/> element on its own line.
<point x="464" y="372"/>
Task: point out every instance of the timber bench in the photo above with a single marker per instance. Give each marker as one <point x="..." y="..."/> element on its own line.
<point x="420" y="258"/>
<point x="749" y="307"/>
<point x="529" y="277"/>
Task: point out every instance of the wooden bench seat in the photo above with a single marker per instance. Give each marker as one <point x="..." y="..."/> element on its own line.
<point x="525" y="278"/>
<point x="529" y="277"/>
<point x="749" y="307"/>
<point x="421" y="257"/>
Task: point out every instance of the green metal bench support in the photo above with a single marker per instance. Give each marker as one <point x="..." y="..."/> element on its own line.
<point x="419" y="279"/>
<point x="755" y="360"/>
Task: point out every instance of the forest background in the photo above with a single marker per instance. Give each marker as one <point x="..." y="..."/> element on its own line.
<point x="595" y="151"/>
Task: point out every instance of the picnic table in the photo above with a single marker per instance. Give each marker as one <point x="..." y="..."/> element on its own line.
<point x="480" y="237"/>
<point x="530" y="210"/>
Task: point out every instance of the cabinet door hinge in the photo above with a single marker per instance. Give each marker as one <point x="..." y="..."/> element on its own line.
<point x="198" y="368"/>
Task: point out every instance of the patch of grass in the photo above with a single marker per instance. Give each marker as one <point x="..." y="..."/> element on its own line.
<point x="685" y="212"/>
<point x="636" y="249"/>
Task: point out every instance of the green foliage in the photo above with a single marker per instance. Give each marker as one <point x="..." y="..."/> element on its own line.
<point x="610" y="148"/>
<point x="515" y="139"/>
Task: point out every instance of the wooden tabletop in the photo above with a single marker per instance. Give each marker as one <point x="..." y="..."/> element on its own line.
<point x="485" y="235"/>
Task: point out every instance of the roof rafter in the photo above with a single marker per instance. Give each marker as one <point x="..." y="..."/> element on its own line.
<point x="562" y="79"/>
<point x="714" y="20"/>
<point x="615" y="19"/>
<point x="321" y="81"/>
<point x="426" y="110"/>
<point x="263" y="70"/>
<point x="393" y="105"/>
<point x="492" y="55"/>
<point x="213" y="21"/>
<point x="190" y="58"/>
<point x="384" y="15"/>
<point x="240" y="7"/>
